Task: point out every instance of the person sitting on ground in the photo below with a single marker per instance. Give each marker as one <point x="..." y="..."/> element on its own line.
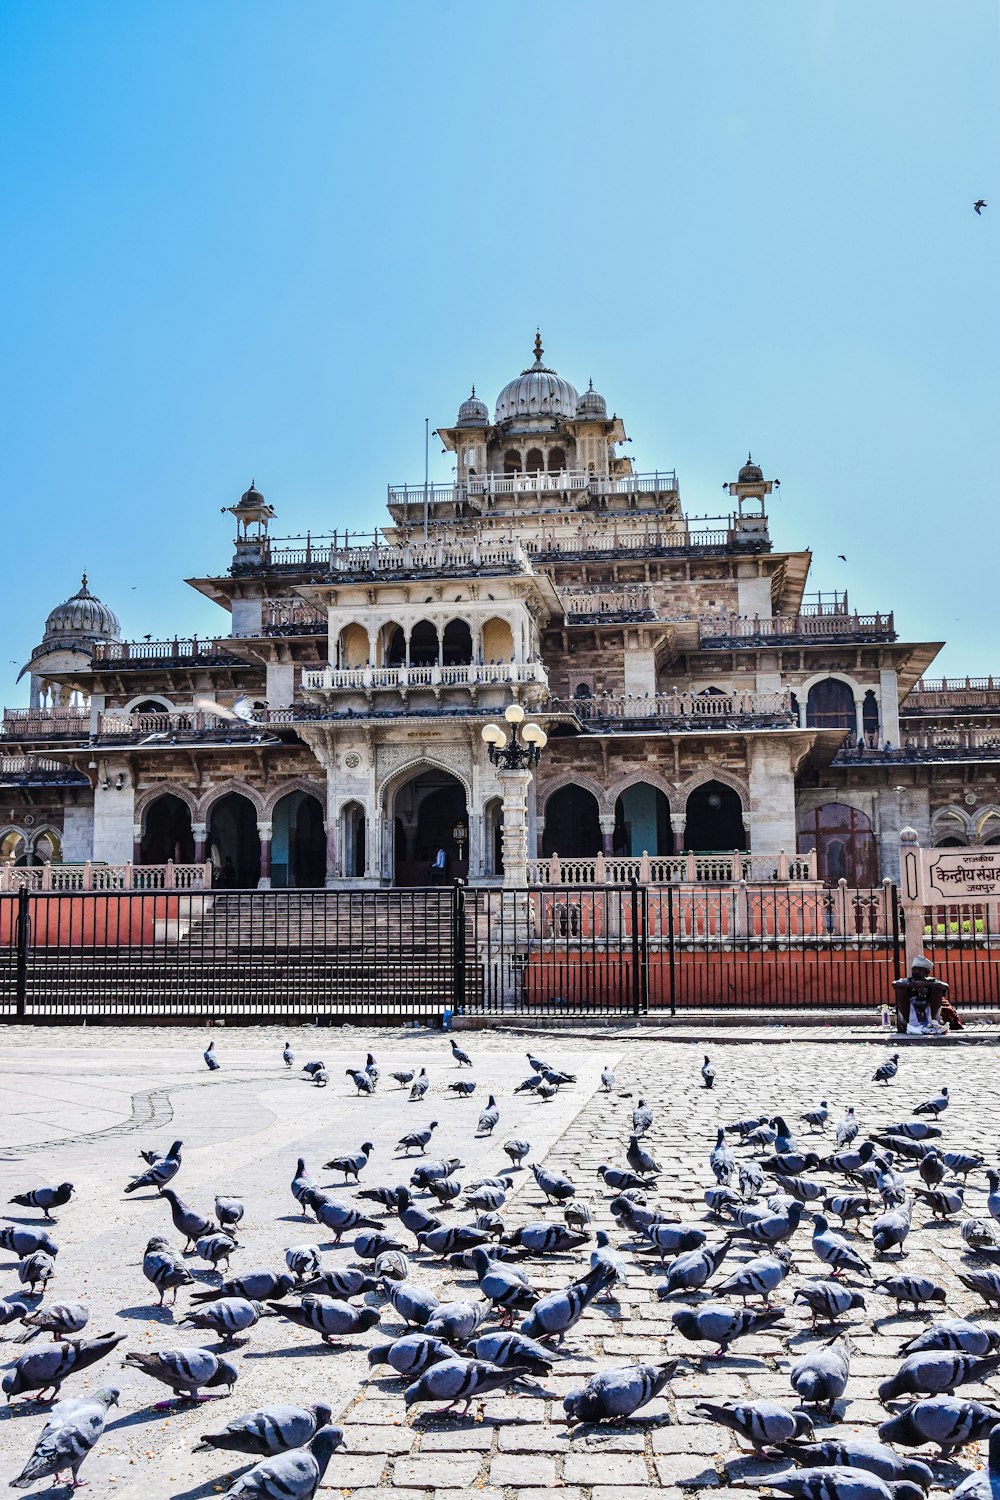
<point x="922" y="1006"/>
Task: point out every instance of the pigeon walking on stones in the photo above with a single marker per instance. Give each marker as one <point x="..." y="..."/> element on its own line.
<point x="417" y="1140"/>
<point x="211" y="1061"/>
<point x="692" y="1269"/>
<point x="288" y="1056"/>
<point x="859" y="1453"/>
<point x="327" y="1316"/>
<point x="419" y="1086"/>
<point x="162" y="1265"/>
<point x="917" y="1290"/>
<point x="161" y="1172"/>
<point x="607" y="1079"/>
<point x="362" y="1082"/>
<point x="887" y="1070"/>
<point x="488" y="1117"/>
<point x="228" y="1211"/>
<point x="268" y="1430"/>
<point x="45" y="1198"/>
<point x="555" y="1314"/>
<point x="827" y="1301"/>
<point x="295" y="1475"/>
<point x="462" y="1058"/>
<point x="762" y="1424"/>
<point x="707" y="1073"/>
<point x="459" y="1379"/>
<point x="612" y="1395"/>
<point x="937" y="1373"/>
<point x="642" y="1118"/>
<point x="816" y="1118"/>
<point x="73" y="1429"/>
<point x="46" y="1369"/>
<point x="61" y="1319"/>
<point x="186" y="1371"/>
<point x="352" y="1163"/>
<point x="227" y="1317"/>
<point x="948" y="1421"/>
<point x="718" y="1323"/>
<point x="956" y="1333"/>
<point x="936" y="1105"/>
<point x="819" y="1378"/>
<point x="847" y="1129"/>
<point x="835" y="1251"/>
<point x="187" y="1221"/>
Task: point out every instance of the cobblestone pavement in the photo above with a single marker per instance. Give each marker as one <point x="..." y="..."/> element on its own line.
<point x="80" y="1107"/>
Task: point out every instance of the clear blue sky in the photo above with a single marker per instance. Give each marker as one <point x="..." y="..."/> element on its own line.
<point x="269" y="239"/>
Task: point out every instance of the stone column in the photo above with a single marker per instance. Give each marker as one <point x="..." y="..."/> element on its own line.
<point x="331" y="849"/>
<point x="136" y="843"/>
<point x="887" y="833"/>
<point x="199" y="832"/>
<point x="859" y="719"/>
<point x="772" y="798"/>
<point x="678" y="827"/>
<point x="607" y="822"/>
<point x="514" y="785"/>
<point x="264" y="832"/>
<point x="888" y="688"/>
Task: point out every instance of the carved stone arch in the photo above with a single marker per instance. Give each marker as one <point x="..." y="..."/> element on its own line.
<point x="634" y="778"/>
<point x="953" y="820"/>
<point x="979" y="822"/>
<point x="810" y="800"/>
<point x="167" y="706"/>
<point x="711" y="773"/>
<point x="145" y="800"/>
<point x="294" y="784"/>
<point x="801" y="690"/>
<point x="391" y="783"/>
<point x="577" y="778"/>
<point x="216" y="793"/>
<point x="46" y="828"/>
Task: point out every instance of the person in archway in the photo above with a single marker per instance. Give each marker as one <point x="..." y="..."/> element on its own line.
<point x="439" y="866"/>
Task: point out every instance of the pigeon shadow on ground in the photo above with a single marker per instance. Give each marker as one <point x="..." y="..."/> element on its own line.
<point x="137" y="1418"/>
<point x="150" y="1312"/>
<point x="304" y="1350"/>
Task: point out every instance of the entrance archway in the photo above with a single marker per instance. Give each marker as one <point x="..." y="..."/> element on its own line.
<point x="234" y="843"/>
<point x="352" y="840"/>
<point x="572" y="824"/>
<point x="298" y="842"/>
<point x="425" y="813"/>
<point x="493" y="836"/>
<point x="13" y="848"/>
<point x="167" y="834"/>
<point x="714" y="819"/>
<point x="642" y="822"/>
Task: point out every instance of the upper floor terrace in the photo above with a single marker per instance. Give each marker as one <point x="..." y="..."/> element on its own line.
<point x="482" y="491"/>
<point x="681" y="711"/>
<point x="953" y="695"/>
<point x="34" y="771"/>
<point x="115" y="656"/>
<point x="812" y="624"/>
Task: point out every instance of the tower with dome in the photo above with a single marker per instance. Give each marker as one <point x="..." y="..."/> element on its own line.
<point x="701" y="706"/>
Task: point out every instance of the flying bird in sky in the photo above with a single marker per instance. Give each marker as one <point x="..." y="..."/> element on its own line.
<point x="980" y="204"/>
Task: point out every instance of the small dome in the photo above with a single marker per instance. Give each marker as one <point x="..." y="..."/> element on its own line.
<point x="751" y="473"/>
<point x="537" y="392"/>
<point x="252" y="498"/>
<point x="592" y="405"/>
<point x="473" y="412"/>
<point x="83" y="616"/>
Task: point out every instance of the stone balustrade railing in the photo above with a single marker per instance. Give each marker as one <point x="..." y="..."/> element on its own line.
<point x="89" y="876"/>
<point x="44" y="723"/>
<point x="106" y="654"/>
<point x="631" y="599"/>
<point x="700" y="710"/>
<point x="405" y="679"/>
<point x="733" y="629"/>
<point x="947" y="694"/>
<point x="716" y="868"/>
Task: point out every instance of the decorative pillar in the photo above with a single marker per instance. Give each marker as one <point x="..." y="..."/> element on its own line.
<point x="199" y="832"/>
<point x="607" y="822"/>
<point x="264" y="832"/>
<point x="678" y="827"/>
<point x="514" y="786"/>
<point x="136" y="843"/>
<point x="859" y="719"/>
<point x="332" y="870"/>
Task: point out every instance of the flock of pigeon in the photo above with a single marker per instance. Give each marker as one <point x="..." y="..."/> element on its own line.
<point x="508" y="1334"/>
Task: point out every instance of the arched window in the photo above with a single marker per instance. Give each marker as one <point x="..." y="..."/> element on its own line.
<point x="535" y="461"/>
<point x="13" y="848"/>
<point x="642" y="822"/>
<point x="582" y="690"/>
<point x="955" y="843"/>
<point x="512" y="461"/>
<point x="844" y="842"/>
<point x="298" y="842"/>
<point x="714" y="819"/>
<point x="557" y="460"/>
<point x="47" y="847"/>
<point x="423" y="645"/>
<point x="353" y="647"/>
<point x="167" y="833"/>
<point x="498" y="641"/>
<point x="869" y="717"/>
<point x="830" y="705"/>
<point x="456" y="644"/>
<point x="352" y="821"/>
<point x="150" y="706"/>
<point x="572" y="824"/>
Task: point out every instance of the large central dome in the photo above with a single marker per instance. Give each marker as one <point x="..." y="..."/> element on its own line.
<point x="536" y="392"/>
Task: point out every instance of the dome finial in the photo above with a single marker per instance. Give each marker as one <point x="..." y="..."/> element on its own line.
<point x="473" y="388"/>
<point x="539" y="351"/>
<point x="83" y="582"/>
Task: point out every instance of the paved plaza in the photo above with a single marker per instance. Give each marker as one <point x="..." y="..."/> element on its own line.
<point x="79" y="1105"/>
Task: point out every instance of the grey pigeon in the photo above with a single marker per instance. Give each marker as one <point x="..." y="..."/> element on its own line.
<point x="457" y="1321"/>
<point x="302" y="1185"/>
<point x="371" y="1245"/>
<point x="942" y="1202"/>
<point x="816" y="1118"/>
<point x="312" y="1067"/>
<point x="327" y="1316"/>
<point x="47" y="1368"/>
<point x="12" y="1309"/>
<point x="462" y="1058"/>
<point x="362" y="1081"/>
<point x="488" y="1117"/>
<point x="607" y="1079"/>
<point x="392" y="1265"/>
<point x="228" y="1211"/>
<point x="259" y="1286"/>
<point x="751" y="1181"/>
<point x="288" y="1055"/>
<point x="403" y="1077"/>
<point x="890" y="1229"/>
<point x="834" y="1483"/>
<point x="757" y="1277"/>
<point x="23" y="1241"/>
<point x="642" y="1118"/>
<point x="371" y="1068"/>
<point x="268" y="1430"/>
<point x="827" y="1301"/>
<point x="934" y="1106"/>
<point x="211" y="1061"/>
<point x="342" y="1282"/>
<point x="722" y="1161"/>
<point x="718" y="1323"/>
<point x="509" y="1348"/>
<point x="58" y="1318"/>
<point x="186" y="1371"/>
<point x="915" y="1289"/>
<point x="216" y="1248"/>
<point x="668" y="1239"/>
<point x="617" y="1178"/>
<point x="161" y="1172"/>
<point x="932" y="1169"/>
<point x="985" y="1485"/>
<point x="163" y="1266"/>
<point x="459" y="1379"/>
<point x="227" y="1317"/>
<point x="720" y="1199"/>
<point x="295" y="1475"/>
<point x="464" y="1088"/>
<point x="543" y="1238"/>
<point x="413" y="1303"/>
<point x="516" y="1150"/>
<point x="420" y="1086"/>
<point x="819" y="1378"/>
<point x="417" y="1140"/>
<point x="847" y="1129"/>
<point x="859" y="1453"/>
<point x="412" y="1354"/>
<point x="707" y="1073"/>
<point x="913" y="1130"/>
<point x="936" y="1373"/>
<point x="641" y="1160"/>
<point x="613" y="1394"/>
<point x="352" y="1163"/>
<point x="848" y="1206"/>
<point x="985" y="1283"/>
<point x="772" y="1229"/>
<point x="946" y="1420"/>
<point x="35" y="1268"/>
<point x="835" y="1251"/>
<point x="956" y="1333"/>
<point x="339" y="1218"/>
<point x="45" y="1198"/>
<point x="556" y="1187"/>
<point x="187" y="1221"/>
<point x="692" y="1269"/>
<point x="762" y="1424"/>
<point x="556" y="1313"/>
<point x="72" y="1430"/>
<point x="887" y="1070"/>
<point x="607" y="1256"/>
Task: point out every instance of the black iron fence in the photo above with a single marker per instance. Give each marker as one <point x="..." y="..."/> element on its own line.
<point x="410" y="953"/>
<point x="963" y="943"/>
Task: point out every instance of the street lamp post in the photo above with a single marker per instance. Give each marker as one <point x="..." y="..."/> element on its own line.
<point x="515" y="755"/>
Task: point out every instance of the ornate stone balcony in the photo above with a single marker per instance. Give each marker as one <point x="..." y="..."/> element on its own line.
<point x="326" y="556"/>
<point x="45" y="723"/>
<point x="118" y="655"/>
<point x="629" y="602"/>
<point x="566" y="481"/>
<point x="32" y="770"/>
<point x="292" y="616"/>
<point x="949" y="695"/>
<point x="328" y="680"/>
<point x="683" y="711"/>
<point x="731" y="631"/>
<point x="718" y="868"/>
<point x="962" y="743"/>
<point x="188" y="725"/>
<point x="89" y="876"/>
